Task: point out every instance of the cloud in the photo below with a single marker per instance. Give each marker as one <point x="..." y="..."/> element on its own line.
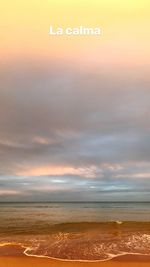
<point x="89" y="172"/>
<point x="91" y="126"/>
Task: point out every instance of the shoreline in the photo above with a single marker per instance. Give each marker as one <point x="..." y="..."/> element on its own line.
<point x="19" y="252"/>
<point x="24" y="261"/>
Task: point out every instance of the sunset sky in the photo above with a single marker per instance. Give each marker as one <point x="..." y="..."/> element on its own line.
<point x="75" y="110"/>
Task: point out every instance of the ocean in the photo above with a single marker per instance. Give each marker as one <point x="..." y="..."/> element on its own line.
<point x="77" y="231"/>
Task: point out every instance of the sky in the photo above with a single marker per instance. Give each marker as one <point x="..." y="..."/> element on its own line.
<point x="75" y="111"/>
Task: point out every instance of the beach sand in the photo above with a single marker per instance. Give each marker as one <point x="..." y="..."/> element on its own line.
<point x="19" y="261"/>
<point x="13" y="256"/>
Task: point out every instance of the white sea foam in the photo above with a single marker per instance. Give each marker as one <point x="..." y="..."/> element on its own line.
<point x="119" y="222"/>
<point x="110" y="256"/>
<point x="82" y="246"/>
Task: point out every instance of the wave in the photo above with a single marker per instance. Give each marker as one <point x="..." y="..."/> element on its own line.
<point x="110" y="256"/>
<point x="84" y="241"/>
<point x="42" y="227"/>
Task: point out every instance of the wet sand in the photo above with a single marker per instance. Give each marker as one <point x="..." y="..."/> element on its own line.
<point x="13" y="256"/>
<point x="18" y="261"/>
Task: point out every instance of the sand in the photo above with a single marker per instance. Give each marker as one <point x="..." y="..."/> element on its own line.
<point x="13" y="256"/>
<point x="125" y="261"/>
